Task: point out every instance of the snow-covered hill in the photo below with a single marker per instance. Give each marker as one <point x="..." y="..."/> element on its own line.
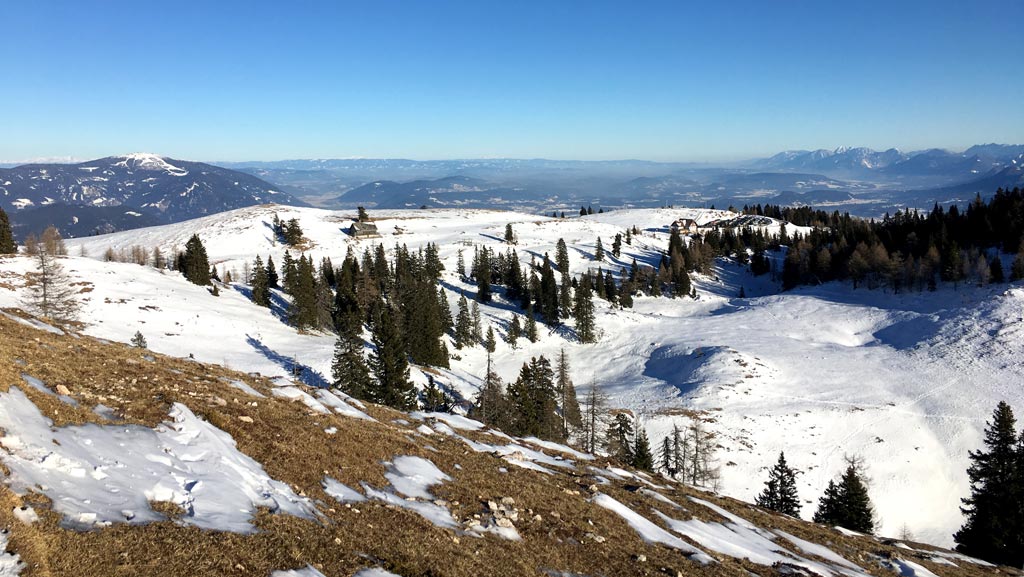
<point x="906" y="381"/>
<point x="145" y="186"/>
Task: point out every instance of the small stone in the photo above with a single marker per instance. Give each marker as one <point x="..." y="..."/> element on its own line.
<point x="62" y="390"/>
<point x="504" y="523"/>
<point x="537" y="518"/>
<point x="492" y="505"/>
<point x="509" y="501"/>
<point x="337" y="540"/>
<point x="245" y="419"/>
<point x="640" y="558"/>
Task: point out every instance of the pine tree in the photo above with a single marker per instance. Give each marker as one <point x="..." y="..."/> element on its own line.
<point x="50" y="293"/>
<point x="460" y="265"/>
<point x="571" y="418"/>
<point x="629" y="236"/>
<point x="617" y="246"/>
<point x="994" y="528"/>
<point x="780" y="490"/>
<point x="599" y="251"/>
<point x="446" y="312"/>
<point x="390" y="366"/>
<point x="510" y="235"/>
<point x="665" y="457"/>
<point x="562" y="258"/>
<point x="362" y="216"/>
<point x="7" y="244"/>
<point x="272" y="279"/>
<point x="583" y="312"/>
<point x="194" y="263"/>
<point x="846" y="503"/>
<point x="139" y="341"/>
<point x="642" y="457"/>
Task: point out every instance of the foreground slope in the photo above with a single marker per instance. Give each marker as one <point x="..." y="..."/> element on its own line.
<point x="230" y="473"/>
<point x="906" y="381"/>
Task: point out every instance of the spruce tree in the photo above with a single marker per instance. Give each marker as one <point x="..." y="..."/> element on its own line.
<point x="617" y="246"/>
<point x="515" y="330"/>
<point x="478" y="329"/>
<point x="139" y="340"/>
<point x="490" y="342"/>
<point x="463" y="325"/>
<point x="510" y="235"/>
<point x="780" y="490"/>
<point x="599" y="251"/>
<point x="548" y="303"/>
<point x="194" y="263"/>
<point x="994" y="528"/>
<point x="491" y="406"/>
<point x="642" y="457"/>
<point x="349" y="369"/>
<point x="583" y="312"/>
<point x="846" y="503"/>
<point x="620" y="438"/>
<point x="272" y="279"/>
<point x="390" y="366"/>
<point x="260" y="284"/>
<point x="562" y="258"/>
<point x="7" y="244"/>
<point x="533" y="402"/>
<point x="531" y="325"/>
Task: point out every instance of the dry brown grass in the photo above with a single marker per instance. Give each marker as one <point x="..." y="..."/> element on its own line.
<point x="289" y="440"/>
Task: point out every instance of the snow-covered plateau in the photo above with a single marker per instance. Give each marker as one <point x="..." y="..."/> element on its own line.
<point x="906" y="381"/>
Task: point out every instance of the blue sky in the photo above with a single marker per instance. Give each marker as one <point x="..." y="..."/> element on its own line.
<point x="575" y="80"/>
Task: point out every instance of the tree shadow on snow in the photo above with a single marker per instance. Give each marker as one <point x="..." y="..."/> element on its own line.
<point x="301" y="372"/>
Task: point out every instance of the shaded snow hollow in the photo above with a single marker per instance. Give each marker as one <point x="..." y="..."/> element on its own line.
<point x="99" y="475"/>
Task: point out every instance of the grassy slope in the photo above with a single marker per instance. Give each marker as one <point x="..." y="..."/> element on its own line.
<point x="291" y="443"/>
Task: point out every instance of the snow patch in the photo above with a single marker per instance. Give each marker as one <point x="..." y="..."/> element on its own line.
<point x="99" y="475"/>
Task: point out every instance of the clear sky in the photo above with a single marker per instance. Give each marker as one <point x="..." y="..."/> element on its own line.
<point x="426" y="79"/>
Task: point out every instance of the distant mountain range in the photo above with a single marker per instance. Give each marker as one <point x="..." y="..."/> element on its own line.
<point x="120" y="192"/>
<point x="136" y="190"/>
<point x="976" y="161"/>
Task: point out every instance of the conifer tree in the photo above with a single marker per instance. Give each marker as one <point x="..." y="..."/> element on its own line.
<point x="463" y="325"/>
<point x="680" y="452"/>
<point x="482" y="272"/>
<point x="642" y="457"/>
<point x="599" y="251"/>
<point x="617" y="246"/>
<point x="562" y="258"/>
<point x="194" y="263"/>
<point x="7" y="244"/>
<point x="515" y="330"/>
<point x="139" y="341"/>
<point x="490" y="342"/>
<point x="390" y="366"/>
<point x="620" y="438"/>
<point x="571" y="418"/>
<point x="531" y="325"/>
<point x="629" y="236"/>
<point x="994" y="528"/>
<point x="349" y="369"/>
<point x="260" y="290"/>
<point x="510" y="235"/>
<point x="435" y="399"/>
<point x="491" y="406"/>
<point x="548" y="302"/>
<point x="272" y="279"/>
<point x="665" y="456"/>
<point x="583" y="312"/>
<point x="533" y="402"/>
<point x="478" y="329"/>
<point x="460" y="265"/>
<point x="846" y="503"/>
<point x="780" y="490"/>
<point x="446" y="312"/>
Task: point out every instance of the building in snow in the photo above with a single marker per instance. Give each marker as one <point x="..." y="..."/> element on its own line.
<point x="363" y="230"/>
<point x="685" y="226"/>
